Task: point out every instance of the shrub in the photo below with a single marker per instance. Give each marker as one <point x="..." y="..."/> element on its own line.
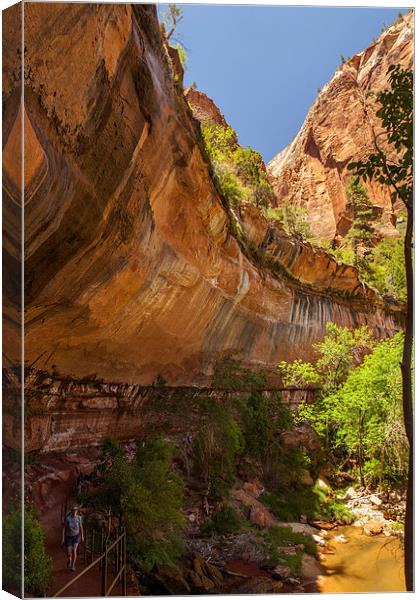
<point x="239" y="172"/>
<point x="229" y="185"/>
<point x="338" y="511"/>
<point x="224" y="520"/>
<point x="230" y="374"/>
<point x="219" y="142"/>
<point x="37" y="564"/>
<point x="183" y="57"/>
<point x="289" y="505"/>
<point x="387" y="268"/>
<point x="278" y="536"/>
<point x="251" y="170"/>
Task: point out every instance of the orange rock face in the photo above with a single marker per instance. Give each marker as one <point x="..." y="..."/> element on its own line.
<point x="131" y="266"/>
<point x="340" y="127"/>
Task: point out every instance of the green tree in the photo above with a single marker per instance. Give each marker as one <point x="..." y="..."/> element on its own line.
<point x="387" y="269"/>
<point x="217" y="448"/>
<point x="358" y="413"/>
<point x="340" y="350"/>
<point x="170" y="20"/>
<point x="361" y="231"/>
<point x="366" y="413"/>
<point x="37" y="564"/>
<point x="147" y="497"/>
<point x="393" y="167"/>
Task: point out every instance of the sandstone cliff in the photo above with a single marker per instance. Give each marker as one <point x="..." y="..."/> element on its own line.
<point x="311" y="172"/>
<point x="132" y="267"/>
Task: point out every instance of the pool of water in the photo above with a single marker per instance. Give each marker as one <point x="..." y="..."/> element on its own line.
<point x="364" y="564"/>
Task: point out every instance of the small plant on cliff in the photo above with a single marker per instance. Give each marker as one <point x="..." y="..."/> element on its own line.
<point x="146" y="496"/>
<point x="240" y="172"/>
<point x="230" y="374"/>
<point x="387" y="269"/>
<point x="37" y="564"/>
<point x="294" y="221"/>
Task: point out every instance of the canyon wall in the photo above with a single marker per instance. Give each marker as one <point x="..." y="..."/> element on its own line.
<point x="132" y="267"/>
<point x="340" y="128"/>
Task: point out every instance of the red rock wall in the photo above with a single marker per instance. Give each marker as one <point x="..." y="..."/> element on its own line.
<point x="339" y="129"/>
<point x="131" y="269"/>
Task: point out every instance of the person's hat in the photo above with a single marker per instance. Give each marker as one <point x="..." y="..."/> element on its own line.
<point x="74" y="508"/>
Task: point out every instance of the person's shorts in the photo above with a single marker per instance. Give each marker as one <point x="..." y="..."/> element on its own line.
<point x="71" y="540"/>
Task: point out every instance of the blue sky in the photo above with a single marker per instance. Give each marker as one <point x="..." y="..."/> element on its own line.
<point x="262" y="65"/>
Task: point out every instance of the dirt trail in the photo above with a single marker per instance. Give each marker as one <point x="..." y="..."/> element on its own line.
<point x="90" y="583"/>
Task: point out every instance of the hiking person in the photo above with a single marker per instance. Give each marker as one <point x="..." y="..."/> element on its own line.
<point x="72" y="534"/>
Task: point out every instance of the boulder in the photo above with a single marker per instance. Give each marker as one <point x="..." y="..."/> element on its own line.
<point x="311" y="569"/>
<point x="351" y="494"/>
<point x="254" y="488"/>
<point x="373" y="528"/>
<point x="262" y="517"/>
<point x="323" y="525"/>
<point x="299" y="527"/>
<point x="305" y="478"/>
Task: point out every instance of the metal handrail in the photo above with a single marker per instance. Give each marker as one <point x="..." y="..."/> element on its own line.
<point x="95" y="562"/>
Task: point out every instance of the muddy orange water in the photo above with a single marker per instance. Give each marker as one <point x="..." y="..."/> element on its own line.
<point x="364" y="564"/>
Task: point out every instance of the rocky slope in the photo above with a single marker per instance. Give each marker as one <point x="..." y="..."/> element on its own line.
<point x="131" y="266"/>
<point x="339" y="128"/>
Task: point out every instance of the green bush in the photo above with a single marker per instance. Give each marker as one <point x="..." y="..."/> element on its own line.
<point x="229" y="185"/>
<point x="396" y="526"/>
<point x="37" y="564"/>
<point x="230" y="374"/>
<point x="285" y="536"/>
<point x="224" y="520"/>
<point x="277" y="537"/>
<point x="251" y="170"/>
<point x="289" y="505"/>
<point x="338" y="511"/>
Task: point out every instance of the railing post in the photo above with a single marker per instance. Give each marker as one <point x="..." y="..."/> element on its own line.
<point x="104" y="573"/>
<point x="92" y="550"/>
<point x="124" y="540"/>
<point x="102" y="546"/>
<point x="86" y="543"/>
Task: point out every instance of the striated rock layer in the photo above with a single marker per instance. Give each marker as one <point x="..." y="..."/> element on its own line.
<point x="340" y="128"/>
<point x="62" y="413"/>
<point x="131" y="266"/>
